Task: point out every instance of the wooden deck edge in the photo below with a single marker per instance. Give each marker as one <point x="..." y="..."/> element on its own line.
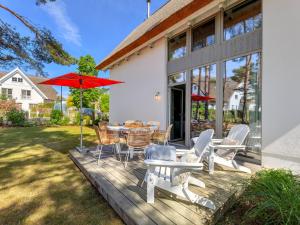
<point x="227" y="205"/>
<point x="127" y="219"/>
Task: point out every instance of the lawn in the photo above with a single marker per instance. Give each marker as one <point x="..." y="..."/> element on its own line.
<point x="39" y="184"/>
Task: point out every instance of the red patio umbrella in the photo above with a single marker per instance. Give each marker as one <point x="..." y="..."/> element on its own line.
<point x="76" y="80"/>
<point x="198" y="98"/>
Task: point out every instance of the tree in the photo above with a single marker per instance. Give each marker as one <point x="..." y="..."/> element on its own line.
<point x="104" y="103"/>
<point x="245" y="76"/>
<point x="86" y="67"/>
<point x="30" y="51"/>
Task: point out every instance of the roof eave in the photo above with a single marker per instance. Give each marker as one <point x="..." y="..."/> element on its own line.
<point x="155" y="31"/>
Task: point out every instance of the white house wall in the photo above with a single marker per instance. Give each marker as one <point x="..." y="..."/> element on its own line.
<point x="144" y="75"/>
<point x="17" y="88"/>
<point x="281" y="82"/>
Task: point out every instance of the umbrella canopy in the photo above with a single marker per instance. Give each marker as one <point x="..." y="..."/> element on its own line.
<point x="198" y="98"/>
<point x="76" y="80"/>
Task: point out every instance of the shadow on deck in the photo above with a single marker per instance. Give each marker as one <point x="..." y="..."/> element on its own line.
<point x="124" y="191"/>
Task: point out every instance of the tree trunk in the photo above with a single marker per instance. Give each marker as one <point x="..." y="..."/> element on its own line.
<point x="246" y="81"/>
<point x="206" y="90"/>
<point x="198" y="93"/>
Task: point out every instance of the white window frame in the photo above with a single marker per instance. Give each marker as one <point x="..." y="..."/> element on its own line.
<point x="26" y="96"/>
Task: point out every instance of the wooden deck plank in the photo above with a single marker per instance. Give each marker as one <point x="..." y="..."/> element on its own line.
<point x="123" y="190"/>
<point x="127" y="211"/>
<point x="176" y="207"/>
<point x="158" y="206"/>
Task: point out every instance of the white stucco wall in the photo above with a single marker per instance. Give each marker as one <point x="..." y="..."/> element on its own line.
<point x="281" y="84"/>
<point x="144" y="75"/>
<point x="17" y="88"/>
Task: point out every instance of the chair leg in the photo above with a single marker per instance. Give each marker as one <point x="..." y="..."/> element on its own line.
<point x="196" y="182"/>
<point x="100" y="152"/>
<point x="211" y="165"/>
<point x="126" y="158"/>
<point x="194" y="198"/>
<point x="240" y="167"/>
<point x="151" y="178"/>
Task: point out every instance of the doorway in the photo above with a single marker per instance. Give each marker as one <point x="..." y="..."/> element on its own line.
<point x="177" y="112"/>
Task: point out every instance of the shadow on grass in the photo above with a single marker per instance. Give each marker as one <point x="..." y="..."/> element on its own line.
<point x="39" y="184"/>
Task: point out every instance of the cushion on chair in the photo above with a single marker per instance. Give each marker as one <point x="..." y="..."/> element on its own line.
<point x="227" y="153"/>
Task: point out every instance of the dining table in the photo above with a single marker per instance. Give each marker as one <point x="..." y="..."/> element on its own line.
<point x="122" y="129"/>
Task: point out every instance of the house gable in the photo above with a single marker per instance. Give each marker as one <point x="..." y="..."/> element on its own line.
<point x="25" y="78"/>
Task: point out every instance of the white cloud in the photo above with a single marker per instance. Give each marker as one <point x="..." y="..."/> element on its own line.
<point x="69" y="31"/>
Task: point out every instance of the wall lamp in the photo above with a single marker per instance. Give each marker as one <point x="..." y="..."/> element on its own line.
<point x="157" y="96"/>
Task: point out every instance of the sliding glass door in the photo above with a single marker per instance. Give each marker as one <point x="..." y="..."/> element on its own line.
<point x="203" y="99"/>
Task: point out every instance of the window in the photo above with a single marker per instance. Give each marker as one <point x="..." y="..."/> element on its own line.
<point x="203" y="99"/>
<point x="14" y="79"/>
<point x="177" y="47"/>
<point x="243" y="18"/>
<point x="242" y="76"/>
<point x="177" y="78"/>
<point x="203" y="35"/>
<point x="26" y="94"/>
<point x="7" y="93"/>
<point x="20" y="79"/>
<point x="236" y="97"/>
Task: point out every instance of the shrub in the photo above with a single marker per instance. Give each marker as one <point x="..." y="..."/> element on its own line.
<point x="273" y="197"/>
<point x="56" y="116"/>
<point x="16" y="117"/>
<point x="65" y="121"/>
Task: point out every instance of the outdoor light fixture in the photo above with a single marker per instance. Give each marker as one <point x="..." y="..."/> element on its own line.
<point x="157" y="96"/>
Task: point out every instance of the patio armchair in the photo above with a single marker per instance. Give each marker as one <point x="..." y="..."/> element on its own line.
<point x="226" y="149"/>
<point x="105" y="138"/>
<point x="137" y="140"/>
<point x="175" y="177"/>
<point x="162" y="136"/>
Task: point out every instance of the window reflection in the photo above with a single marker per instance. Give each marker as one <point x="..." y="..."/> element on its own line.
<point x="243" y="18"/>
<point x="177" y="47"/>
<point x="177" y="78"/>
<point x="203" y="35"/>
<point x="203" y="99"/>
<point x="242" y="97"/>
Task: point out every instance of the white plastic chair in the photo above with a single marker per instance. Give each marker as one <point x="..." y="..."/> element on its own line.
<point x="176" y="176"/>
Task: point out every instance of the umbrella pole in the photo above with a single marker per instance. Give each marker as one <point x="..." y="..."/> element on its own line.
<point x="81" y="119"/>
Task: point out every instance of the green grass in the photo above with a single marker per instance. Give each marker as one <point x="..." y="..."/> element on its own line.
<point x="39" y="184"/>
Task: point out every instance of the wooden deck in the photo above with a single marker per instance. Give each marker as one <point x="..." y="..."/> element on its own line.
<point x="122" y="189"/>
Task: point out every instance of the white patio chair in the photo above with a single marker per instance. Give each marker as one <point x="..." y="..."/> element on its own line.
<point x="226" y="149"/>
<point x="176" y="176"/>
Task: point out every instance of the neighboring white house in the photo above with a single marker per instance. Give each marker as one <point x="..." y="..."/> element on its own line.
<point x="158" y="59"/>
<point x="24" y="89"/>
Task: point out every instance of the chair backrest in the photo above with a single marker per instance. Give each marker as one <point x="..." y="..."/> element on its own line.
<point x="107" y="137"/>
<point x="168" y="132"/>
<point x="139" y="137"/>
<point x="239" y="133"/>
<point x="134" y="123"/>
<point x="154" y="123"/>
<point x="202" y="144"/>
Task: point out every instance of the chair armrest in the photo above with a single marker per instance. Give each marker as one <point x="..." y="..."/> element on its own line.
<point x="181" y="151"/>
<point x="216" y="141"/>
<point x="172" y="164"/>
<point x="224" y="147"/>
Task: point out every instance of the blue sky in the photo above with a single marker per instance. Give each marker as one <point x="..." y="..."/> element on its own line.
<point x="92" y="27"/>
